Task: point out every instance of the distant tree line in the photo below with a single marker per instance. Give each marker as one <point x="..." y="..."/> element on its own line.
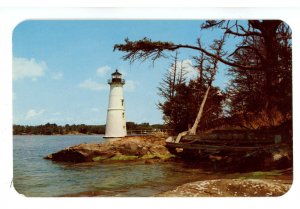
<point x="143" y="126"/>
<point x="54" y="129"/>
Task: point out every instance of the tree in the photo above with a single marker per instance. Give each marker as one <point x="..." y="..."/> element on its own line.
<point x="210" y="66"/>
<point x="144" y="49"/>
<point x="131" y="125"/>
<point x="181" y="102"/>
<point x="182" y="110"/>
<point x="173" y="78"/>
<point x="262" y="97"/>
<point x="176" y="75"/>
<point x="264" y="54"/>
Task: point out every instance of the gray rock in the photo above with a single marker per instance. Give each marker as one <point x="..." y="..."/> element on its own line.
<point x="230" y="188"/>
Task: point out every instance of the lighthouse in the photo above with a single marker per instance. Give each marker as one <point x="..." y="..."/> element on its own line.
<point x="115" y="120"/>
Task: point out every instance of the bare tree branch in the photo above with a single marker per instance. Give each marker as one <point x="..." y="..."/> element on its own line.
<point x="212" y="23"/>
<point x="145" y="48"/>
<point x="246" y="33"/>
<point x="247" y="47"/>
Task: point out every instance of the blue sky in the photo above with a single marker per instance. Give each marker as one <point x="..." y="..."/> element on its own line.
<point x="60" y="68"/>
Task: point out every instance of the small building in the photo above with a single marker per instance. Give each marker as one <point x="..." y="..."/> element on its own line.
<point x="115" y="120"/>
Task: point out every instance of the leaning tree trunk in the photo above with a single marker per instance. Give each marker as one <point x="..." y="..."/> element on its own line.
<point x="192" y="131"/>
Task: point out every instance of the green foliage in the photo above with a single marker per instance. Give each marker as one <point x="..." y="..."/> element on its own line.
<point x="123" y="157"/>
<point x="260" y="174"/>
<point x="181" y="101"/>
<point x="143" y="126"/>
<point x="181" y="111"/>
<point x="158" y="156"/>
<point x="99" y="158"/>
<point x="143" y="49"/>
<point x="264" y="94"/>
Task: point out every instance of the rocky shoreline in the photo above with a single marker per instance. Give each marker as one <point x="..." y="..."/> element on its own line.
<point x="151" y="149"/>
<point x="145" y="148"/>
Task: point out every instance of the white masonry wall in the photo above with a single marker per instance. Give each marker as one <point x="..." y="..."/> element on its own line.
<point x="115" y="120"/>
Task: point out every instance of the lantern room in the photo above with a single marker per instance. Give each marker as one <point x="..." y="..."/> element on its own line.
<point x="116" y="78"/>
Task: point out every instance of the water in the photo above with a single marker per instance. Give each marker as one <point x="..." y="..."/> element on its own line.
<point x="37" y="177"/>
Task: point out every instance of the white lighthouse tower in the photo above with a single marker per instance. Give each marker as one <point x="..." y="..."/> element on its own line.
<point x="115" y="120"/>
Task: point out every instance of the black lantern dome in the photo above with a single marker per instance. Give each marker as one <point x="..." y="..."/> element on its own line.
<point x="116" y="78"/>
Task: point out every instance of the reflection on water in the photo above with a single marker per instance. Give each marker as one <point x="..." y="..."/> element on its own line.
<point x="35" y="176"/>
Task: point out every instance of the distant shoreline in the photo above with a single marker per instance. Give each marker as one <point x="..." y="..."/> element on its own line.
<point x="71" y="134"/>
<point x="81" y="129"/>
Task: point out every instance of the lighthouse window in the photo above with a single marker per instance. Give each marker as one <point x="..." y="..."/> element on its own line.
<point x="123" y="115"/>
<point x="122" y="100"/>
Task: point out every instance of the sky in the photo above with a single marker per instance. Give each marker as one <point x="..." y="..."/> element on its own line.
<point x="61" y="68"/>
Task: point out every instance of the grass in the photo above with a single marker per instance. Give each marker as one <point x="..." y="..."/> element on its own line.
<point x="261" y="174"/>
<point x="123" y="157"/>
<point x="99" y="158"/>
<point x="152" y="156"/>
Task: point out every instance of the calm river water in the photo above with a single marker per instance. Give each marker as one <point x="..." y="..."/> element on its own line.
<point x="35" y="176"/>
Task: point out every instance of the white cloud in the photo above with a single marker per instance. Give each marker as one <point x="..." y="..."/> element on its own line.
<point x="28" y="68"/>
<point x="57" y="76"/>
<point x="32" y="113"/>
<point x="187" y="65"/>
<point x="130" y="85"/>
<point x="103" y="71"/>
<point x="92" y="85"/>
